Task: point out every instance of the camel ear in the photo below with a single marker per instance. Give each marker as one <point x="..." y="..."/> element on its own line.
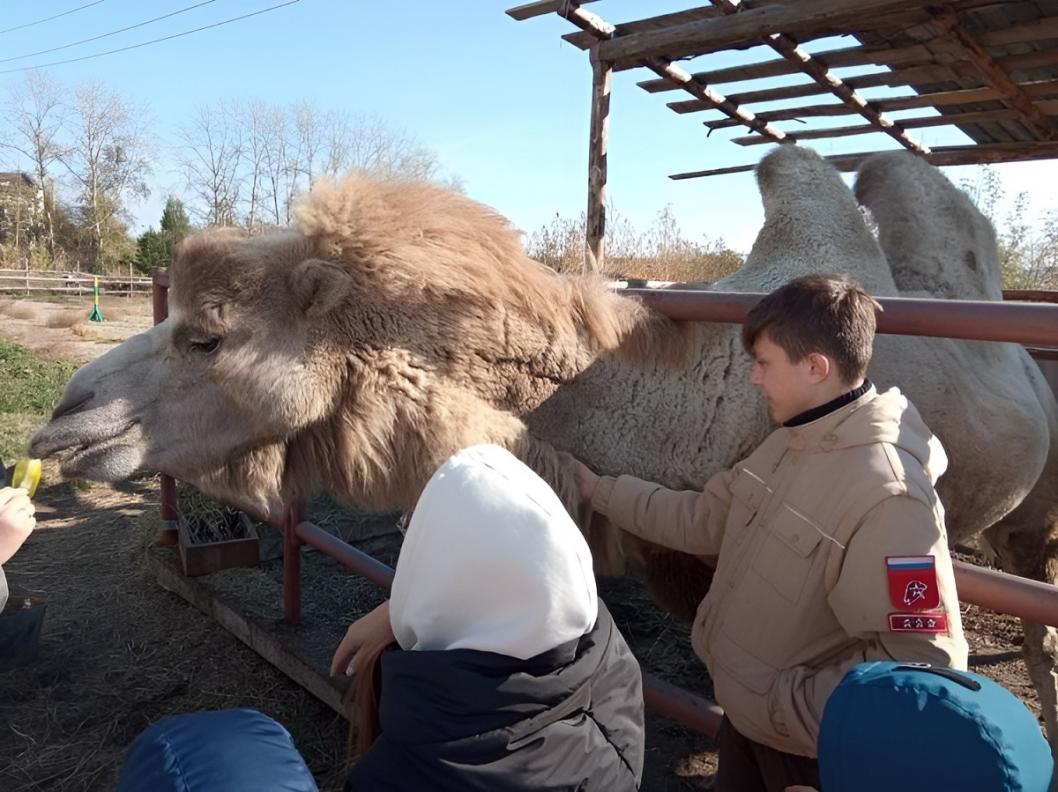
<point x="318" y="286"/>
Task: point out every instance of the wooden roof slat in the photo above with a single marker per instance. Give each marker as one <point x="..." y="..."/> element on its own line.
<point x="822" y="76"/>
<point x="1019" y="34"/>
<point x="916" y="54"/>
<point x="796" y="18"/>
<point x="965" y="95"/>
<point x="584" y="40"/>
<point x="603" y="31"/>
<point x="1011" y="94"/>
<point x="913" y="55"/>
<point x="987" y="66"/>
<point x="1039" y="88"/>
<point x="980" y="116"/>
<point x="1028" y="60"/>
<point x="941" y="156"/>
<point x="539" y="8"/>
<point x="915" y="74"/>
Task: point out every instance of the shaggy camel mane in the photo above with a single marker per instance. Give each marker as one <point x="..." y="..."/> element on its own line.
<point x="421" y="242"/>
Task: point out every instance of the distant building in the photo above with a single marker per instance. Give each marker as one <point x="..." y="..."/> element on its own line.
<point x="21" y="207"/>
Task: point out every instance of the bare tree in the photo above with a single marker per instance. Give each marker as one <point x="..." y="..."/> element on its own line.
<point x="36" y="115"/>
<point x="285" y="148"/>
<point x="276" y="161"/>
<point x="372" y="145"/>
<point x="253" y="121"/>
<point x="311" y="129"/>
<point x="108" y="161"/>
<point x="211" y="157"/>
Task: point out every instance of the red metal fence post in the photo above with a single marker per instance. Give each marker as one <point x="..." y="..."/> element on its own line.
<point x="292" y="564"/>
<point x="160" y="305"/>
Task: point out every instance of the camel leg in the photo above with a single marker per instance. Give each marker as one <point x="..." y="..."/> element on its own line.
<point x="1022" y="548"/>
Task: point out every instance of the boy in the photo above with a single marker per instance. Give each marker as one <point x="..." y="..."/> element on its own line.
<point x="830" y="537"/>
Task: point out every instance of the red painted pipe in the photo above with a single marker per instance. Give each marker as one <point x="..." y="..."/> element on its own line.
<point x="1034" y="324"/>
<point x="661" y="698"/>
<point x="998" y="591"/>
<point x="348" y="556"/>
<point x="1027" y="599"/>
<point x="682" y="707"/>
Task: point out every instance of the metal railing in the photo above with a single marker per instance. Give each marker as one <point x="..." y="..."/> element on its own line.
<point x="1024" y="323"/>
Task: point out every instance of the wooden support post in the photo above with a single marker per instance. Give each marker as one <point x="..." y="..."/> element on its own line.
<point x="595" y="227"/>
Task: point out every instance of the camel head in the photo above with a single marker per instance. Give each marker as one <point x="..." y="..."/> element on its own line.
<point x="399" y="323"/>
<point x="212" y="394"/>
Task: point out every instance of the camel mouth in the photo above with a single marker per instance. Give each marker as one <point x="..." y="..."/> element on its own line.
<point x="107" y="455"/>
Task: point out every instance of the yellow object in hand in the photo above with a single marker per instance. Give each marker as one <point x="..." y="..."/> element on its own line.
<point x="26" y="475"/>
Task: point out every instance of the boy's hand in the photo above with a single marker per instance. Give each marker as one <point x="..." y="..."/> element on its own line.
<point x="363" y="636"/>
<point x="16" y="521"/>
<point x="586" y="480"/>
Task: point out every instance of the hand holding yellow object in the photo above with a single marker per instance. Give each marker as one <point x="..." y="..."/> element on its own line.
<point x="26" y="475"/>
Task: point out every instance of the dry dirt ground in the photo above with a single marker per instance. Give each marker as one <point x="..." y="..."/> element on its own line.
<point x="61" y="330"/>
<point x="118" y="652"/>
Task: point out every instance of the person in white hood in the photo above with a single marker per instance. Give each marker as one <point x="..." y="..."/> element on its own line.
<point x="511" y="674"/>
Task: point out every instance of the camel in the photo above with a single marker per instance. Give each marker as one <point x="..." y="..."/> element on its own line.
<point x="400" y="322"/>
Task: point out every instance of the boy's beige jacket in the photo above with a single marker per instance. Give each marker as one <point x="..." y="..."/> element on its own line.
<point x="802" y="529"/>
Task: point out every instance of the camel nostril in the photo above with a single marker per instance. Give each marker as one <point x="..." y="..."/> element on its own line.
<point x="64" y="408"/>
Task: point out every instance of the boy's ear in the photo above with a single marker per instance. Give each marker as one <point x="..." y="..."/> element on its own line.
<point x="318" y="286"/>
<point x="820" y="366"/>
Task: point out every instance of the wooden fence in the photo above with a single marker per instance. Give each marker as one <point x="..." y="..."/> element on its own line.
<point x="48" y="283"/>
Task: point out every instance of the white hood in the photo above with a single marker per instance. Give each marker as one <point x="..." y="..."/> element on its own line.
<point x="491" y="561"/>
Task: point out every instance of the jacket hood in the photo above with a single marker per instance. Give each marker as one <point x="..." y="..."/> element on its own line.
<point x="491" y="562"/>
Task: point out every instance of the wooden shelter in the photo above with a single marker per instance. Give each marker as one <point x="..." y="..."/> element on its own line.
<point x="988" y="67"/>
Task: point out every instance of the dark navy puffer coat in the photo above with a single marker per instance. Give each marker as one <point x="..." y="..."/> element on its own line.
<point x="462" y="720"/>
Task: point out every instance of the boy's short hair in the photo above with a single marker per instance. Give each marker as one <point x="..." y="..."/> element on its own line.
<point x="828" y="314"/>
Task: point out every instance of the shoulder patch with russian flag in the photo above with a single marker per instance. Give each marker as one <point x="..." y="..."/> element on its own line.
<point x="912" y="582"/>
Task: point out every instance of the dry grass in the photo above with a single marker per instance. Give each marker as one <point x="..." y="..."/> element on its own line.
<point x="66" y="318"/>
<point x="85" y="330"/>
<point x="686" y="267"/>
<point x="17" y="310"/>
<point x="661" y="253"/>
<point x="205" y="520"/>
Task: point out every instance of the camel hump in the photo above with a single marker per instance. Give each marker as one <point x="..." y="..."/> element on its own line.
<point x="936" y="240"/>
<point x="812" y="223"/>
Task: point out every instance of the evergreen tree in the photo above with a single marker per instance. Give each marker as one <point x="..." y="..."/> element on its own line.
<point x="155" y="248"/>
<point x="175" y="223"/>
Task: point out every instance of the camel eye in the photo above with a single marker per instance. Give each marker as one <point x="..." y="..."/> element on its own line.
<point x="207" y="347"/>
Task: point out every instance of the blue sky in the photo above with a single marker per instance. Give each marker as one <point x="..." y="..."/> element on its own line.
<point x="504" y="104"/>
